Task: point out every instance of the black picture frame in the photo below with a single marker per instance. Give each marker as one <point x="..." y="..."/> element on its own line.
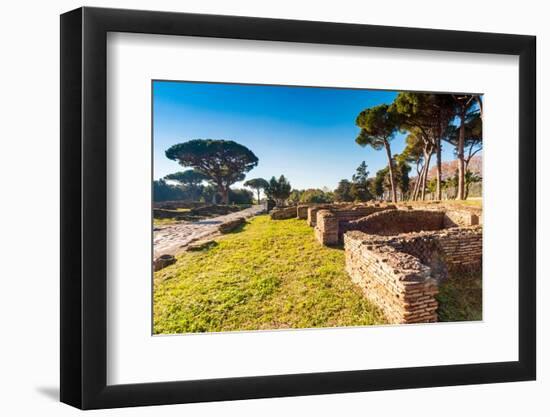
<point x="84" y="207"/>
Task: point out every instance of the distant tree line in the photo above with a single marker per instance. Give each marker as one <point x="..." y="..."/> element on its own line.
<point x="208" y="194"/>
<point x="363" y="188"/>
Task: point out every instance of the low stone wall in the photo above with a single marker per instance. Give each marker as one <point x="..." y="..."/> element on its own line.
<point x="326" y="231"/>
<point x="393" y="222"/>
<point x="401" y="273"/>
<point x="283" y="213"/>
<point x="166" y="214"/>
<point x="301" y="211"/>
<point x="313" y="209"/>
<point x="176" y="204"/>
<point x="312" y="213"/>
<point x="462" y="217"/>
<point x="395" y="281"/>
<point x="329" y="229"/>
<point x="231" y="225"/>
<point x="447" y="250"/>
<point x="462" y="248"/>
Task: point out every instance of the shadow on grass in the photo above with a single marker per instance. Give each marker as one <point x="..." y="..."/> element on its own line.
<point x="202" y="247"/>
<point x="338" y="246"/>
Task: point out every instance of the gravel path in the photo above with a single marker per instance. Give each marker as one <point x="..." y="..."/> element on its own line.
<point x="173" y="238"/>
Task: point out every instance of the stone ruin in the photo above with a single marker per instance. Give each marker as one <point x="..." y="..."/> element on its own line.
<point x="401" y="273"/>
<point x="398" y="255"/>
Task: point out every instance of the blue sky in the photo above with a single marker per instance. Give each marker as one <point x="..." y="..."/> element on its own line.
<point x="306" y="133"/>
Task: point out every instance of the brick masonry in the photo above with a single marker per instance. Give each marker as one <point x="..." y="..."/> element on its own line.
<point x="387" y="220"/>
<point x="399" y="255"/>
<point x="283" y="213"/>
<point x="300" y="211"/>
<point x="331" y="223"/>
<point x="395" y="281"/>
<point x="393" y="222"/>
<point x="457" y="249"/>
<point x="401" y="273"/>
<point x="312" y="213"/>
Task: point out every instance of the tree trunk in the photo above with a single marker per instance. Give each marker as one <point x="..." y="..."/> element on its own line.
<point x="414" y="194"/>
<point x="460" y="156"/>
<point x="419" y="183"/>
<point x="225" y="195"/>
<point x="390" y="167"/>
<point x="425" y="176"/>
<point x="415" y="190"/>
<point x="258" y="190"/>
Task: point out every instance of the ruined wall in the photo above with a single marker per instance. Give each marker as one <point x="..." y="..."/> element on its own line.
<point x="462" y="248"/>
<point x="401" y="273"/>
<point x="283" y="213"/>
<point x="455" y="217"/>
<point x="326" y="230"/>
<point x="312" y="213"/>
<point x="329" y="229"/>
<point x="301" y="211"/>
<point x="176" y="204"/>
<point x="395" y="281"/>
<point x="347" y="214"/>
<point x="448" y="250"/>
<point x="393" y="222"/>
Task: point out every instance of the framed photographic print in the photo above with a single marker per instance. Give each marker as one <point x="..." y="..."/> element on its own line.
<point x="258" y="207"/>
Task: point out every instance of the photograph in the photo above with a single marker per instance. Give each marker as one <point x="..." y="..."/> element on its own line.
<point x="296" y="207"/>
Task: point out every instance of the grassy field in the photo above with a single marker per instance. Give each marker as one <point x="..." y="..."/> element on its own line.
<point x="269" y="275"/>
<point x="460" y="299"/>
<point x="472" y="203"/>
<point x="478" y="203"/>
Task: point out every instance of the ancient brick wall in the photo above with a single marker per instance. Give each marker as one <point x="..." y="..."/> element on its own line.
<point x="461" y="248"/>
<point x="312" y="213"/>
<point x="392" y="222"/>
<point x="454" y="217"/>
<point x="301" y="211"/>
<point x="357" y="212"/>
<point x="283" y="213"/>
<point x="401" y="273"/>
<point x="176" y="204"/>
<point x="447" y="250"/>
<point x="395" y="281"/>
<point x="329" y="229"/>
<point x="326" y="229"/>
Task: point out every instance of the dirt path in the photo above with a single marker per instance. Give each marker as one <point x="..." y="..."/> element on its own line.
<point x="173" y="238"/>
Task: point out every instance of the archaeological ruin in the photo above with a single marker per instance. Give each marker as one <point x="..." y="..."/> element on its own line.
<point x="397" y="254"/>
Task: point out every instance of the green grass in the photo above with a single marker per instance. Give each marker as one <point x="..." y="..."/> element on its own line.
<point x="472" y="203"/>
<point x="460" y="298"/>
<point x="269" y="275"/>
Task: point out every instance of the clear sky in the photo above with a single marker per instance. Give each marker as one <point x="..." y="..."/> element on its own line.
<point x="306" y="133"/>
